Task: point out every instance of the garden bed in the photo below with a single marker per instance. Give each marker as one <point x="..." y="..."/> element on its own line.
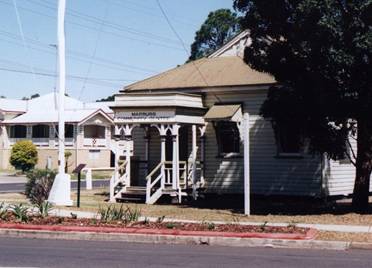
<point x="69" y="224"/>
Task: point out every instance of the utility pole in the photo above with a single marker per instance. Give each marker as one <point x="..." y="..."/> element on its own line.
<point x="60" y="193"/>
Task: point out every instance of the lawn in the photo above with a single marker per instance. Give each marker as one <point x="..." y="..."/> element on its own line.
<point x="204" y="211"/>
<point x="213" y="211"/>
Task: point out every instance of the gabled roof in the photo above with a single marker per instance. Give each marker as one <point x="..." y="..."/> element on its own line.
<point x="236" y="41"/>
<point x="11" y="105"/>
<point x="206" y="72"/>
<point x="71" y="116"/>
<point x="44" y="109"/>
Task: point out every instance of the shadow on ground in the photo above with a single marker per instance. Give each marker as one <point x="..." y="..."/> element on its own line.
<point x="277" y="205"/>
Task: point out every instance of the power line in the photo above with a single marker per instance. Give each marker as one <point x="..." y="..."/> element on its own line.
<point x="80" y="56"/>
<point x="183" y="44"/>
<point x="145" y="10"/>
<point x="119" y="27"/>
<point x="121" y="36"/>
<point x="95" y="49"/>
<point x="25" y="46"/>
<point x="90" y="80"/>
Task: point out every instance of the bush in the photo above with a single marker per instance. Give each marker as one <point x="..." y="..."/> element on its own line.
<point x="23" y="155"/>
<point x="39" y="184"/>
<point x="112" y="213"/>
<point x="20" y="212"/>
<point x="44" y="209"/>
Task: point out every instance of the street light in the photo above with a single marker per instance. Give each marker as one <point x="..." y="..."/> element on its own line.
<point x="60" y="193"/>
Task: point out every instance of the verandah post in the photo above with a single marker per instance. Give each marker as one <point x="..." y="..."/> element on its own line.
<point x="193" y="161"/>
<point x="175" y="158"/>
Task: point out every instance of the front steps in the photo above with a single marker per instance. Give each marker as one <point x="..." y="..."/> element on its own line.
<point x="137" y="194"/>
<point x="134" y="194"/>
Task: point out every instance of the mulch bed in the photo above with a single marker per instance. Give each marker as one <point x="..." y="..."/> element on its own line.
<point x="146" y="227"/>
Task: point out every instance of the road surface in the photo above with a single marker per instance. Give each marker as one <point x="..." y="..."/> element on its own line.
<point x="17" y="252"/>
<point x="20" y="186"/>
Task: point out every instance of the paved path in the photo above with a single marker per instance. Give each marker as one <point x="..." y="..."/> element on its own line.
<point x="15" y="252"/>
<point x="6" y="179"/>
<point x="20" y="187"/>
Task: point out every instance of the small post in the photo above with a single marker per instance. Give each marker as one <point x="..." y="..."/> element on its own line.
<point x="78" y="190"/>
<point x="88" y="179"/>
<point x="247" y="188"/>
<point x="77" y="171"/>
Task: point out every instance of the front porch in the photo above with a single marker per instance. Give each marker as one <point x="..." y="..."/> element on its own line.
<point x="159" y="148"/>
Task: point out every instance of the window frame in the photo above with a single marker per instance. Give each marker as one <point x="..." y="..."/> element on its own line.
<point x="56" y="130"/>
<point x="221" y="153"/>
<point x="47" y="127"/>
<point x="97" y="126"/>
<point x="280" y="153"/>
<point x="13" y="132"/>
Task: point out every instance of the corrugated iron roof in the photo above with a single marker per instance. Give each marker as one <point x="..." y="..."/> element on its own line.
<point x="206" y="72"/>
<point x="221" y="112"/>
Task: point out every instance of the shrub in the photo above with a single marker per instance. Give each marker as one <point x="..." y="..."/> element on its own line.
<point x="44" y="209"/>
<point x="112" y="213"/>
<point x="23" y="155"/>
<point x="39" y="184"/>
<point x="3" y="211"/>
<point x="20" y="212"/>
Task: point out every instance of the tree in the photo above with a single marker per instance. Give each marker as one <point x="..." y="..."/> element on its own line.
<point x="319" y="51"/>
<point x="34" y="96"/>
<point x="23" y="155"/>
<point x="109" y="98"/>
<point x="220" y="26"/>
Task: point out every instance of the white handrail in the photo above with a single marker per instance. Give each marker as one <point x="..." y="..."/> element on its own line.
<point x="123" y="177"/>
<point x="151" y="198"/>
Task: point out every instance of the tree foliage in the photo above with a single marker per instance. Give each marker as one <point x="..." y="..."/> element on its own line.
<point x="38" y="186"/>
<point x="109" y="98"/>
<point x="320" y="53"/>
<point x="220" y="26"/>
<point x="23" y="155"/>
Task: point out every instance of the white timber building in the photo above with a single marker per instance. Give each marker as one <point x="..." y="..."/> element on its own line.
<point x="181" y="133"/>
<point x="88" y="130"/>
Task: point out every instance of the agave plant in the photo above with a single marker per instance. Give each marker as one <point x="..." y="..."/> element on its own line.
<point x="132" y="215"/>
<point x="3" y="211"/>
<point x="44" y="209"/>
<point x="20" y="212"/>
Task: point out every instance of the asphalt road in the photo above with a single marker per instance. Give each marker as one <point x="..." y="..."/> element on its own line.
<point x="20" y="187"/>
<point x="17" y="252"/>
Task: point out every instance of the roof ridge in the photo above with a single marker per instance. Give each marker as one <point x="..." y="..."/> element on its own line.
<point x="158" y="76"/>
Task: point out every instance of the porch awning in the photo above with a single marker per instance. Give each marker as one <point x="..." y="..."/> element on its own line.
<point x="230" y="112"/>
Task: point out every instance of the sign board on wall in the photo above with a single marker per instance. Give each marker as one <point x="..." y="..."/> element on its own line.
<point x="143" y="116"/>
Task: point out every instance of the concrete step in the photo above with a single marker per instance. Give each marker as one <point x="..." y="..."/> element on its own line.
<point x="133" y="194"/>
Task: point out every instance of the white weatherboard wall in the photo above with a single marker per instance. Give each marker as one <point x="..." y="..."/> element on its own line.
<point x="341" y="175"/>
<point x="269" y="174"/>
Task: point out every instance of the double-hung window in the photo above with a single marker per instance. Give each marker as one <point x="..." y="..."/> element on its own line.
<point x="228" y="138"/>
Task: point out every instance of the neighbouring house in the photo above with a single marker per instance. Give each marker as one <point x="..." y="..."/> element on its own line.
<point x="87" y="130"/>
<point x="182" y="133"/>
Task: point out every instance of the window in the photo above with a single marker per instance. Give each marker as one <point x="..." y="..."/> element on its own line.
<point x="40" y="131"/>
<point x="94" y="132"/>
<point x="94" y="154"/>
<point x="289" y="139"/>
<point x="18" y="131"/>
<point x="69" y="131"/>
<point x="228" y="138"/>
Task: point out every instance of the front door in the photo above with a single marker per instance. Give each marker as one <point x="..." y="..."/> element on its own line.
<point x="183" y="145"/>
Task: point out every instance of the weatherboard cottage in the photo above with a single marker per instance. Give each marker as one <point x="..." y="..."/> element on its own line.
<point x="181" y="133"/>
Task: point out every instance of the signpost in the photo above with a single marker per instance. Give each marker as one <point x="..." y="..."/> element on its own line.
<point x="77" y="171"/>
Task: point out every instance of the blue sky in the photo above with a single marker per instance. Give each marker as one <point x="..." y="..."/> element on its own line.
<point x="110" y="43"/>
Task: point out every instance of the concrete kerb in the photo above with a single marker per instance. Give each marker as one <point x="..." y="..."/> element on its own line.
<point x="170" y="239"/>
